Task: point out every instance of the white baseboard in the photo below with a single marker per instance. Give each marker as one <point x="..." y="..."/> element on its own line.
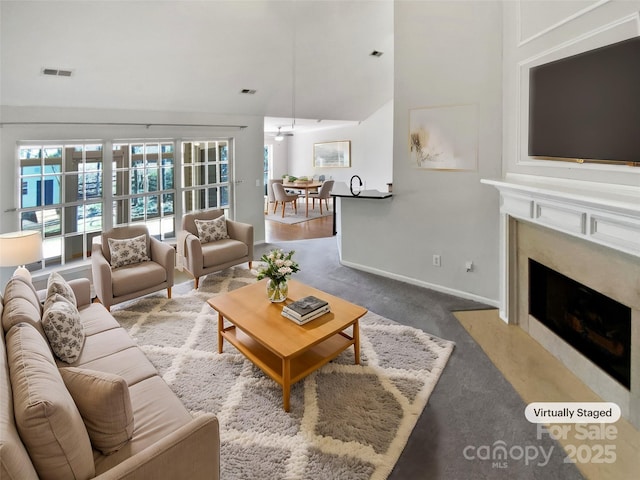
<point x="420" y="283"/>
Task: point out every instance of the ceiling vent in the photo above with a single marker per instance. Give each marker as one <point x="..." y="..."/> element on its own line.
<point x="247" y="91"/>
<point x="57" y="72"/>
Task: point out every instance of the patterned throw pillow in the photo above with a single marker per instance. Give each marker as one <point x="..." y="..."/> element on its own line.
<point x="57" y="284"/>
<point x="128" y="251"/>
<point x="61" y="324"/>
<point x="212" y="230"/>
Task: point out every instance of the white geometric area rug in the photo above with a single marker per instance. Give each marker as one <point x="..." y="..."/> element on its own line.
<point x="346" y="421"/>
<point x="291" y="217"/>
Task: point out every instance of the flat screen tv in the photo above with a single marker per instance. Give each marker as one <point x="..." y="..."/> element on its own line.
<point x="587" y="106"/>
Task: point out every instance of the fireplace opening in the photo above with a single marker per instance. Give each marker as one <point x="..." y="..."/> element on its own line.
<point x="592" y="323"/>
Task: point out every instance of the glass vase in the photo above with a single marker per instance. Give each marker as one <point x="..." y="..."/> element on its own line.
<point x="277" y="290"/>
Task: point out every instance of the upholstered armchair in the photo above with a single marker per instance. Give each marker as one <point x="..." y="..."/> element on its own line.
<point x="209" y="243"/>
<point x="126" y="262"/>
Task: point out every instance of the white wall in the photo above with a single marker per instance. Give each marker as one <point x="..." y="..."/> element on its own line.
<point x="280" y="155"/>
<point x="540" y="32"/>
<point x="248" y="148"/>
<point x="446" y="53"/>
<point x="371" y="150"/>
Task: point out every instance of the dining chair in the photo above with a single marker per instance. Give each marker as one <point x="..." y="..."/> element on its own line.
<point x="281" y="196"/>
<point x="271" y="197"/>
<point x="323" y="194"/>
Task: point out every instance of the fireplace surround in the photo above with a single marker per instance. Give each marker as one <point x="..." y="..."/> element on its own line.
<point x="590" y="233"/>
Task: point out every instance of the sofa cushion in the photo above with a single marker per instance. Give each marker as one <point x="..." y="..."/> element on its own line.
<point x="130" y="364"/>
<point x="157" y="412"/>
<point x="20" y="287"/>
<point x="128" y="251"/>
<point x="61" y="323"/>
<point x="212" y="230"/>
<point x="95" y="319"/>
<point x="46" y="416"/>
<point x="58" y="285"/>
<point x="21" y="304"/>
<point x="133" y="278"/>
<point x="14" y="459"/>
<point x="107" y="411"/>
<point x="223" y="251"/>
<point x="102" y="345"/>
<point x="18" y="310"/>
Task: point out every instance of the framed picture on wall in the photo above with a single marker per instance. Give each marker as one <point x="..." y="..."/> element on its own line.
<point x="332" y="154"/>
<point x="444" y="137"/>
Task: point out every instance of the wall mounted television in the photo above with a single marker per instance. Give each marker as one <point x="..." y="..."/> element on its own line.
<point x="587" y="107"/>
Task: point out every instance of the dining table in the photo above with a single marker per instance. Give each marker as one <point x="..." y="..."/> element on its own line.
<point x="306" y="186"/>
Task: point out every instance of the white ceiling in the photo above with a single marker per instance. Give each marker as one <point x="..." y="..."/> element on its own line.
<point x="196" y="56"/>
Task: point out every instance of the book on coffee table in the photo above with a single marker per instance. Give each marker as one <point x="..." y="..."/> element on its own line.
<point x="307" y="318"/>
<point x="305" y="306"/>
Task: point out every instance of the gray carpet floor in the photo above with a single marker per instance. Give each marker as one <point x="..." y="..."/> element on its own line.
<point x="473" y="408"/>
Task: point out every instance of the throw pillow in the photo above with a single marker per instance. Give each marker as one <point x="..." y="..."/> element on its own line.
<point x="212" y="230"/>
<point x="128" y="251"/>
<point x="57" y="284"/>
<point x="48" y="420"/>
<point x="53" y="299"/>
<point x="107" y="411"/>
<point x="61" y="324"/>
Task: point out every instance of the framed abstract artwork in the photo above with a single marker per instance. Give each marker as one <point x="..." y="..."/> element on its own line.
<point x="444" y="137"/>
<point x="332" y="154"/>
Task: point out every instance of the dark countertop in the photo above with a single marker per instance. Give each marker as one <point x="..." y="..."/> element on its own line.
<point x="343" y="191"/>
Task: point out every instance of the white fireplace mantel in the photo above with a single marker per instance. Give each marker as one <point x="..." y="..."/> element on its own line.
<point x="602" y="213"/>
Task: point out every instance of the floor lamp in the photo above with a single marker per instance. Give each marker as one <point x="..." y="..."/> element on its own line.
<point x="20" y="249"/>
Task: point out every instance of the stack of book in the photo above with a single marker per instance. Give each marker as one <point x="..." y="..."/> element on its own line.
<point x="306" y="309"/>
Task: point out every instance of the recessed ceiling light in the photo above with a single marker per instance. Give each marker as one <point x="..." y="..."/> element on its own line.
<point x="376" y="53"/>
<point x="247" y="91"/>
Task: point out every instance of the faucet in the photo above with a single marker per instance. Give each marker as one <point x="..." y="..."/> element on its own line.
<point x="351" y="185"/>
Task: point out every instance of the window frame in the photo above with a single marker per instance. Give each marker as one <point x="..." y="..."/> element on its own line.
<point x="197" y="197"/>
<point x="110" y="192"/>
<point x="139" y="161"/>
<point x="67" y="233"/>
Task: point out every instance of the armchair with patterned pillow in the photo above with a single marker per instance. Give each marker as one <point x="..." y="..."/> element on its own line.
<point x="209" y="242"/>
<point x="126" y="262"/>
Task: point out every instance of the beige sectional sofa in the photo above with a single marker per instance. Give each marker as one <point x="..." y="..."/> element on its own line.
<point x="47" y="433"/>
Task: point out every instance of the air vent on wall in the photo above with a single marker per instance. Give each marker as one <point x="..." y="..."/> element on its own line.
<point x="56" y="72"/>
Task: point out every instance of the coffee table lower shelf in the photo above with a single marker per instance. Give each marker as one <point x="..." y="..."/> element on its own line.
<point x="287" y="371"/>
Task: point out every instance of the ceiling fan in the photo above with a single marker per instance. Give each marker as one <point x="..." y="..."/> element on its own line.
<point x="280" y="135"/>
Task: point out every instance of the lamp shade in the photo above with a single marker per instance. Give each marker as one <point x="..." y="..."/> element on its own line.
<point x="20" y="248"/>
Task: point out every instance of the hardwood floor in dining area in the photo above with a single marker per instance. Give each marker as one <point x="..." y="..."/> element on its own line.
<point x="315" y="228"/>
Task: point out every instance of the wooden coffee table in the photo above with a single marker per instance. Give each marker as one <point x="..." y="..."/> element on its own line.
<point x="285" y="351"/>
